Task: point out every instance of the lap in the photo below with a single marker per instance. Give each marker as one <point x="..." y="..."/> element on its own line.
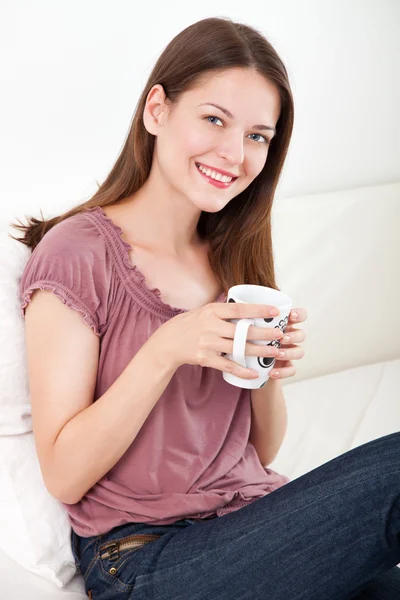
<point x="321" y="536"/>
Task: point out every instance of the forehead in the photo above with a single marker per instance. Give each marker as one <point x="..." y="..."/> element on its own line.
<point x="244" y="92"/>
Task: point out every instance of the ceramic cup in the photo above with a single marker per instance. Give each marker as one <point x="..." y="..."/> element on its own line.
<point x="256" y="294"/>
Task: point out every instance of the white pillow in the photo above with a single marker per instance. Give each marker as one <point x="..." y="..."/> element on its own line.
<point x="34" y="527"/>
<point x="15" y="410"/>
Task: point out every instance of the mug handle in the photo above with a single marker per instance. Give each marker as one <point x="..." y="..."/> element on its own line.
<point x="239" y="342"/>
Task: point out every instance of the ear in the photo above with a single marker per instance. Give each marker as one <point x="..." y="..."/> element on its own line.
<point x="155" y="110"/>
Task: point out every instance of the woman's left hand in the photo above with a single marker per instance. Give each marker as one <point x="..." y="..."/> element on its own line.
<point x="284" y="366"/>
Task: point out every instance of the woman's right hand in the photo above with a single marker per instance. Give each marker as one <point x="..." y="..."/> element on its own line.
<point x="201" y="335"/>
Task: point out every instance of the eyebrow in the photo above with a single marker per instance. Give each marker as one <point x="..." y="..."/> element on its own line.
<point x="230" y="115"/>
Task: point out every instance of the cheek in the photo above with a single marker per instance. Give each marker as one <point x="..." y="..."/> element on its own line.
<point x="171" y="152"/>
<point x="255" y="163"/>
<point x="197" y="143"/>
<point x="186" y="145"/>
<point x="260" y="158"/>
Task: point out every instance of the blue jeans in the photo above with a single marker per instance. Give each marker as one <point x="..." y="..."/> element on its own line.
<point x="333" y="533"/>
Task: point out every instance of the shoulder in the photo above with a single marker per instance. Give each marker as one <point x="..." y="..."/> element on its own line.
<point x="76" y="235"/>
<point x="70" y="260"/>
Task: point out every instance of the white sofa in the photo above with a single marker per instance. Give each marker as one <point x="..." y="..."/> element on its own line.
<point x="337" y="255"/>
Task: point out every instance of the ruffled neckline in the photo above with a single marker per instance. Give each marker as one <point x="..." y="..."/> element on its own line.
<point x="152" y="294"/>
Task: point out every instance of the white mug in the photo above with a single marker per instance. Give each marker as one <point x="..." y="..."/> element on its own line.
<point x="256" y="294"/>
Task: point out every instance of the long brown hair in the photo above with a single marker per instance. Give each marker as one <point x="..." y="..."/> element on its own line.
<point x="239" y="235"/>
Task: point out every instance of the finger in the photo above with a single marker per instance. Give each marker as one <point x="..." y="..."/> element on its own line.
<point x="293" y="336"/>
<point x="292" y="353"/>
<point x="227" y="330"/>
<point x="283" y="372"/>
<point x="298" y="315"/>
<point x="250" y="349"/>
<point x="229" y="366"/>
<point x="243" y="310"/>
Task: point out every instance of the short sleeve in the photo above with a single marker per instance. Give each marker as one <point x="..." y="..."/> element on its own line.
<point x="71" y="261"/>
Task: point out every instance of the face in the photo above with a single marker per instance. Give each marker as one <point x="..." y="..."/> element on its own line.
<point x="192" y="133"/>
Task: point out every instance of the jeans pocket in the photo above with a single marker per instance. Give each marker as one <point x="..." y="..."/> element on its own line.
<point x="115" y="559"/>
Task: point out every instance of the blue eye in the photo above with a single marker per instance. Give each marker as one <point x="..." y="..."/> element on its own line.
<point x="261" y="136"/>
<point x="266" y="141"/>
<point x="211" y="117"/>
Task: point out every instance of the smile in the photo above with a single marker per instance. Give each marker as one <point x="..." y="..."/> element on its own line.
<point x="214" y="177"/>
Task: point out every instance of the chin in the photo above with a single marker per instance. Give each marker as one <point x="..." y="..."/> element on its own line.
<point x="212" y="206"/>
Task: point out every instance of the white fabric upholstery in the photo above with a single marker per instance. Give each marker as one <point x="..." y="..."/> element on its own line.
<point x="337" y="254"/>
<point x="15" y="415"/>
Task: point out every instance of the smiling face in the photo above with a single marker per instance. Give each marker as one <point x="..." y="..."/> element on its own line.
<point x="233" y="141"/>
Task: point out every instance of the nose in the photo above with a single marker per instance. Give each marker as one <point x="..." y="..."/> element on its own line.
<point x="231" y="149"/>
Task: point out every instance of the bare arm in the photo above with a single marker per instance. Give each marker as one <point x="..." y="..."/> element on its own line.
<point x="78" y="441"/>
<point x="268" y="420"/>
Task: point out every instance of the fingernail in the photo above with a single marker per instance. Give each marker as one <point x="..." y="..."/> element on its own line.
<point x="295" y="314"/>
<point x="274" y="312"/>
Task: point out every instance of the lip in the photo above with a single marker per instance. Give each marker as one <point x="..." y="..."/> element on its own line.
<point x="219" y="184"/>
<point x="227" y="173"/>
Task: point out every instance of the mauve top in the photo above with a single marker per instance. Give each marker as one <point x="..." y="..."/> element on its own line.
<point x="192" y="457"/>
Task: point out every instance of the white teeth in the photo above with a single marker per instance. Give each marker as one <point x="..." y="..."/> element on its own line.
<point x="214" y="174"/>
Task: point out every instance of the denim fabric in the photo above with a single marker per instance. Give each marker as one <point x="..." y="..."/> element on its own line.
<point x="332" y="534"/>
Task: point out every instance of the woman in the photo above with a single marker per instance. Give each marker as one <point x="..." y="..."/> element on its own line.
<point x="161" y="464"/>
